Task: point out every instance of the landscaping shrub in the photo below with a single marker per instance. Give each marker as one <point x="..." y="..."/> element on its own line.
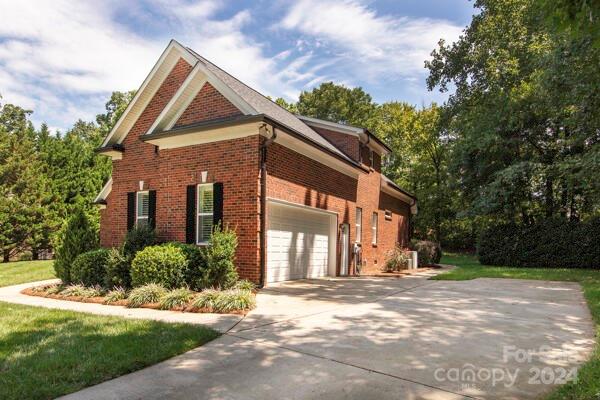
<point x="219" y="256"/>
<point x="78" y="236"/>
<point x="146" y="294"/>
<point x="552" y="243"/>
<point x="117" y="270"/>
<point x="222" y="301"/>
<point x="176" y="298"/>
<point x="396" y="259"/>
<point x="89" y="268"/>
<point x="55" y="289"/>
<point x="117" y="294"/>
<point x="165" y="265"/>
<point x="427" y="252"/>
<point x="82" y="291"/>
<point x="137" y="239"/>
<point x="194" y="273"/>
<point x="244" y="285"/>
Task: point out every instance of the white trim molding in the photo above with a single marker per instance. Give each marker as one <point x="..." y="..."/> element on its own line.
<point x="169" y="57"/>
<point x="106" y="189"/>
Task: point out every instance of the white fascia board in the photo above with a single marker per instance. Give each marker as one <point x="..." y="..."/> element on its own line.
<point x="203" y="136"/>
<point x="227" y="92"/>
<point x="334" y="126"/>
<point x="177" y="104"/>
<point x="168" y="59"/>
<point x="113" y="154"/>
<point x="105" y="191"/>
<point x="349" y="130"/>
<point x="386" y="188"/>
<point x="301" y="147"/>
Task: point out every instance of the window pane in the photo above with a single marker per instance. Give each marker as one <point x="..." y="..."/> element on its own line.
<point x="204" y="227"/>
<point x="142" y="222"/>
<point x="205" y="199"/>
<point x="143" y="200"/>
<point x="374" y="227"/>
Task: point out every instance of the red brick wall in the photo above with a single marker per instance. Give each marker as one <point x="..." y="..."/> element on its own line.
<point x="235" y="163"/>
<point x="208" y="104"/>
<point x="169" y="171"/>
<point x="347" y="143"/>
<point x="299" y="179"/>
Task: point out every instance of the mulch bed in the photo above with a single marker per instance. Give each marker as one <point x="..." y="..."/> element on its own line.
<point x="124" y="303"/>
<point x="401" y="273"/>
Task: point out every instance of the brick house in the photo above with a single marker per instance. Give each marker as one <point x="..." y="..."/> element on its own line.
<point x="196" y="146"/>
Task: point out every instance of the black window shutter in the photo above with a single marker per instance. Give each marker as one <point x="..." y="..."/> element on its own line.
<point x="218" y="203"/>
<point x="190" y="221"/>
<point x="152" y="208"/>
<point x="130" y="210"/>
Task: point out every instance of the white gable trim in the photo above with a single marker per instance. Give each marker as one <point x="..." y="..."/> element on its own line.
<point x="179" y="102"/>
<point x="104" y="192"/>
<point x="155" y="78"/>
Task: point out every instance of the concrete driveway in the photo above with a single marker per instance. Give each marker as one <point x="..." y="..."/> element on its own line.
<point x="378" y="338"/>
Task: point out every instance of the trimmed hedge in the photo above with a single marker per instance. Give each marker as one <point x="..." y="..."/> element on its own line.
<point x="194" y="273"/>
<point x="219" y="259"/>
<point x="549" y="244"/>
<point x="428" y="252"/>
<point x="89" y="268"/>
<point x="164" y="265"/>
<point x="117" y="270"/>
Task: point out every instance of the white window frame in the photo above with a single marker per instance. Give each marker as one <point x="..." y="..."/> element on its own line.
<point x="201" y="214"/>
<point x="374" y="223"/>
<point x="137" y="203"/>
<point x="358" y="224"/>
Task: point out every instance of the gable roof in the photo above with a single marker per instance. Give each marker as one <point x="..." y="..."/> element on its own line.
<point x="265" y="106"/>
<point x="248" y="100"/>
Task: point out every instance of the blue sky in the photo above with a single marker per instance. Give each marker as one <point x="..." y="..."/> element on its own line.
<point x="62" y="59"/>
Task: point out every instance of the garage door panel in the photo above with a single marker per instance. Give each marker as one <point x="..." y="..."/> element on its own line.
<point x="298" y="243"/>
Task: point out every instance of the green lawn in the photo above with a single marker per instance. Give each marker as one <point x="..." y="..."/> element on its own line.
<point x="588" y="384"/>
<point x="14" y="273"/>
<point x="46" y="353"/>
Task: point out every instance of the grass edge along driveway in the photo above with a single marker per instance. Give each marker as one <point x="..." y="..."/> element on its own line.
<point x="45" y="353"/>
<point x="588" y="379"/>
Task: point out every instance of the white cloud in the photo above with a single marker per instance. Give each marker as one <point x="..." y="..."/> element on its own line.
<point x="63" y="58"/>
<point x="366" y="43"/>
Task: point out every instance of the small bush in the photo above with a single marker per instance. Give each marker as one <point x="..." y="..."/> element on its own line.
<point x="55" y="289"/>
<point x="244" y="285"/>
<point x="117" y="270"/>
<point x="117" y="294"/>
<point x="224" y="301"/>
<point x="428" y="252"/>
<point x="82" y="291"/>
<point x="151" y="293"/>
<point x="396" y="259"/>
<point x="165" y="265"/>
<point x="89" y="268"/>
<point x="176" y="298"/>
<point x="194" y="273"/>
<point x="553" y="243"/>
<point x="219" y="257"/>
<point x="78" y="236"/>
<point x="138" y="239"/>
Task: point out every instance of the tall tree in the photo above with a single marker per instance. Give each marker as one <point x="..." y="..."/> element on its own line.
<point x="518" y="145"/>
<point x="337" y="103"/>
<point x="25" y="218"/>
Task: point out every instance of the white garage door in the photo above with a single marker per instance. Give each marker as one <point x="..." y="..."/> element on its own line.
<point x="300" y="242"/>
